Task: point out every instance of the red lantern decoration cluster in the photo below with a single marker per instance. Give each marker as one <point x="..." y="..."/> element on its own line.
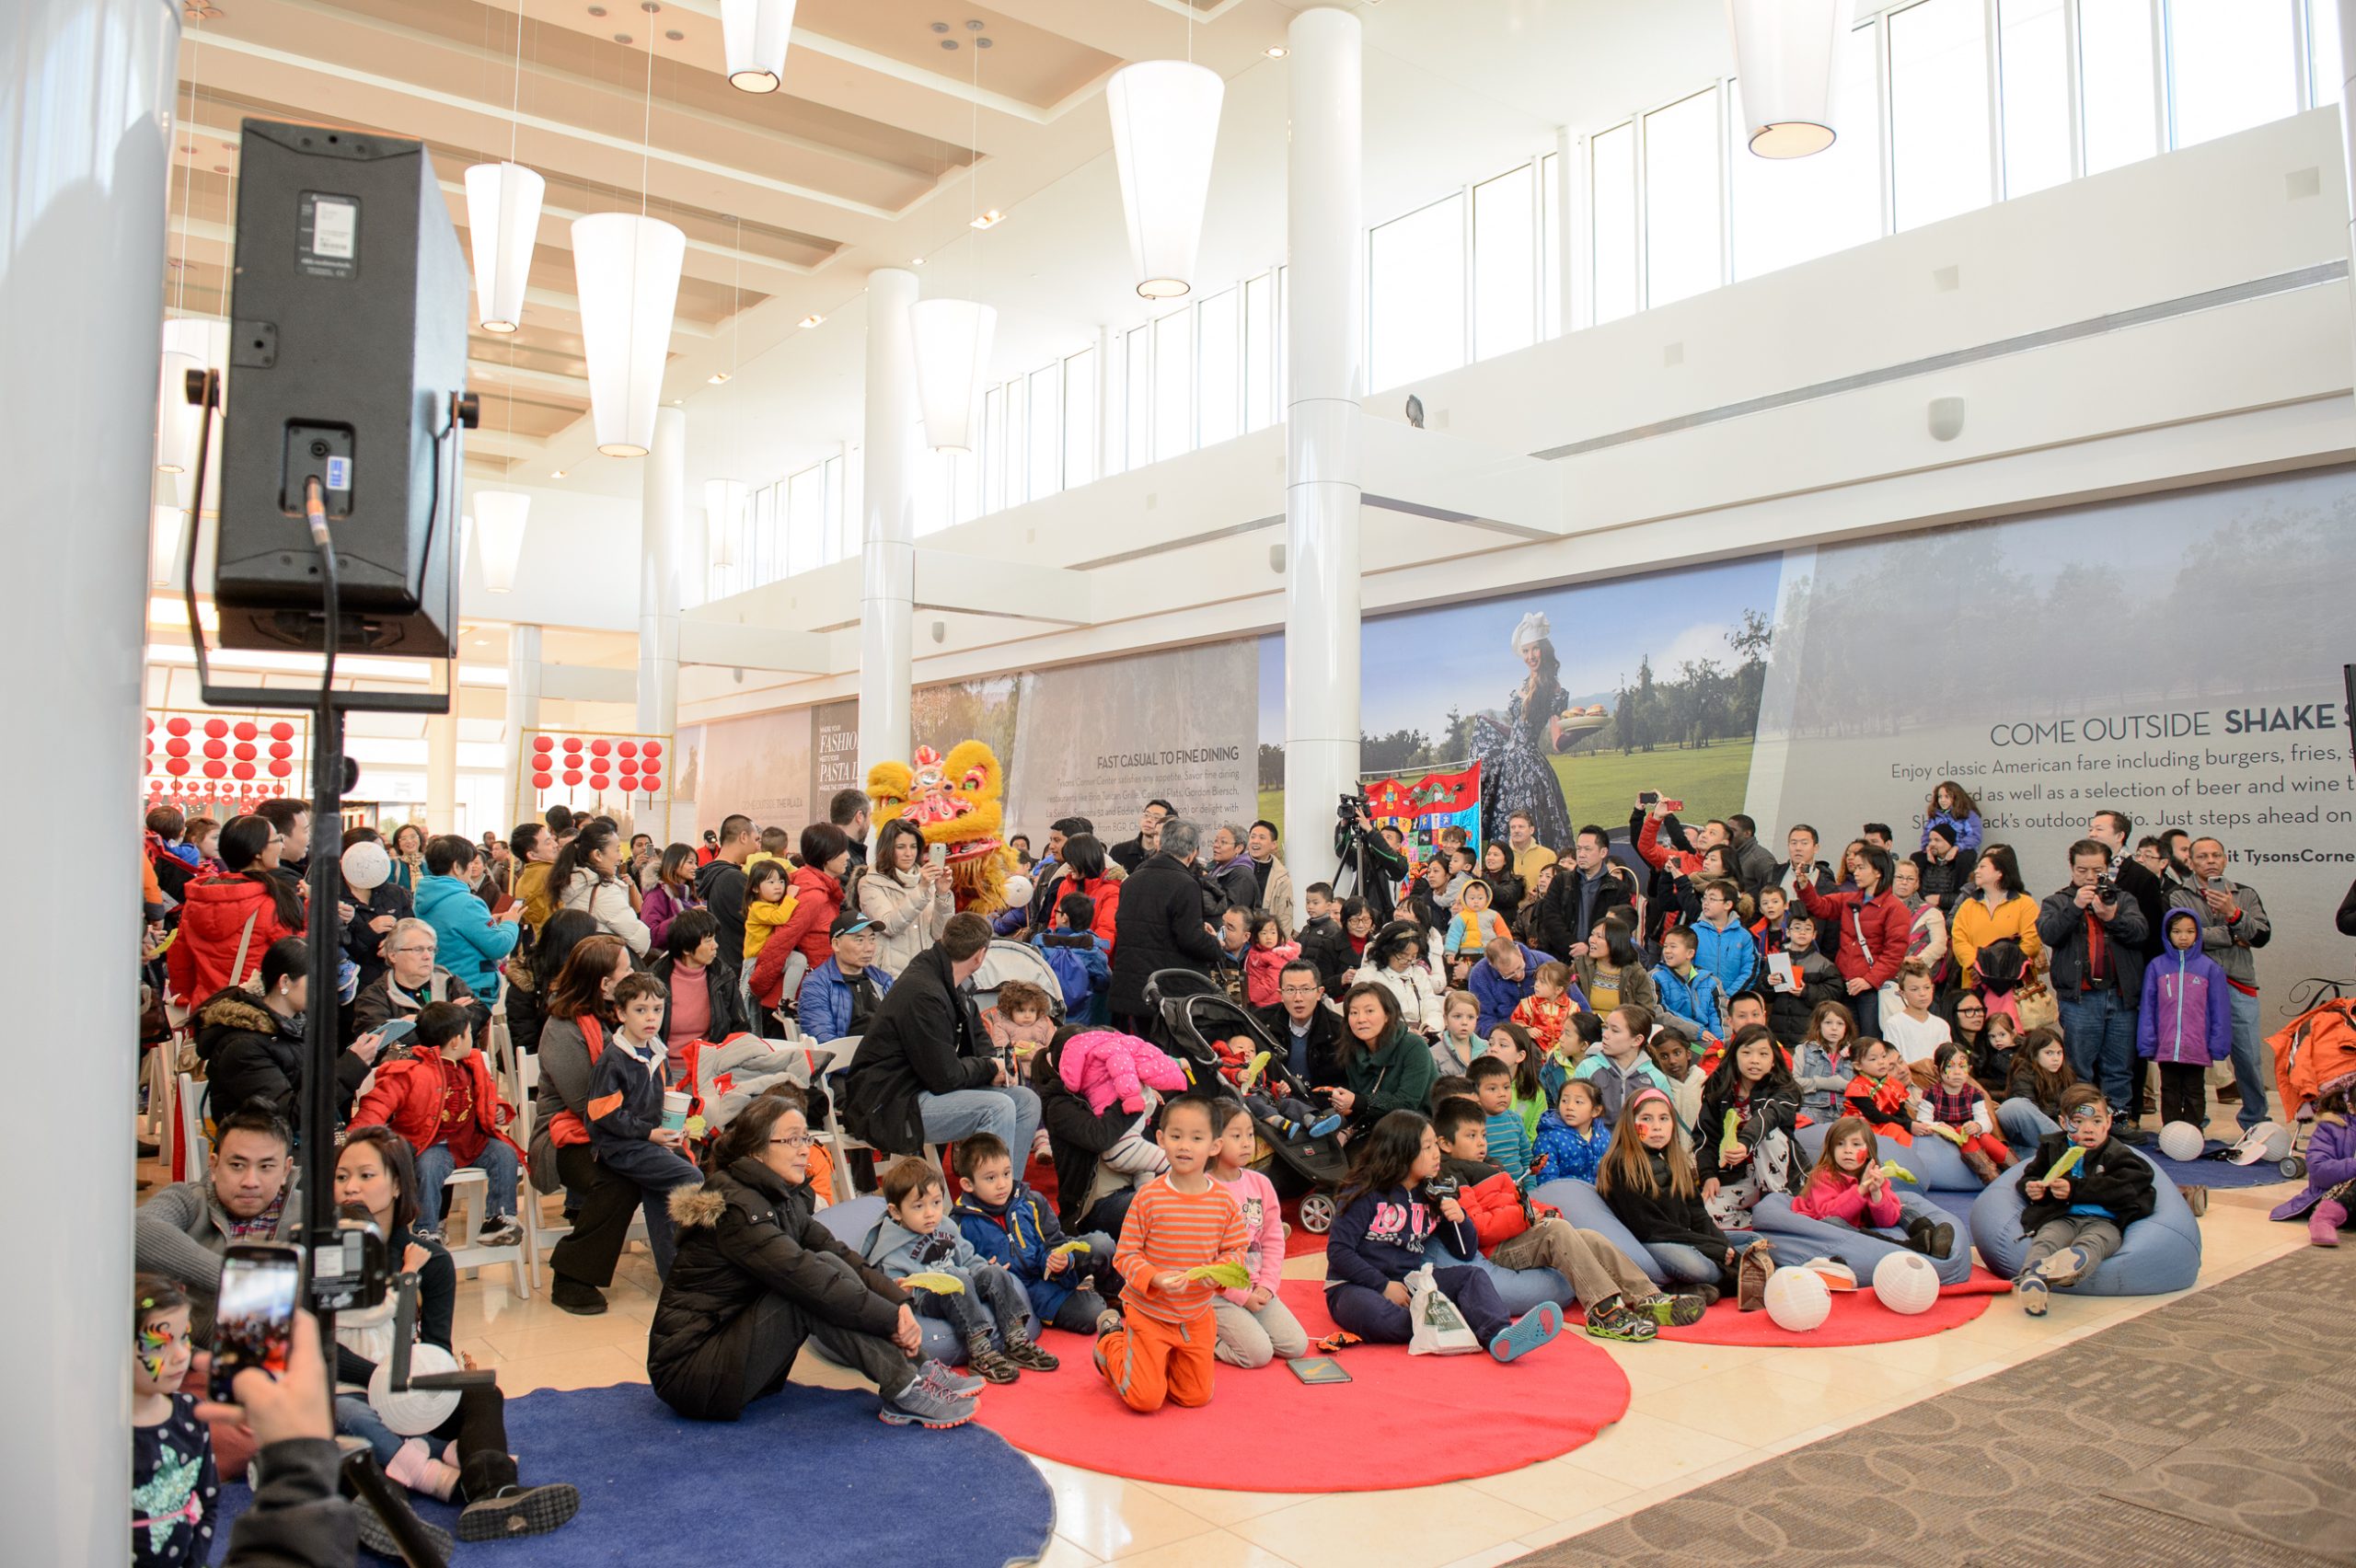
<point x="628" y="764"/>
<point x="219" y="764"/>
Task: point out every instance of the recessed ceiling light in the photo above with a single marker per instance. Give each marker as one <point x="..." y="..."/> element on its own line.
<point x="718" y="377"/>
<point x="482" y="641"/>
<point x="558" y="474"/>
<point x="811" y="319"/>
<point x="597" y="10"/>
<point x="674" y="35"/>
<point x="918" y="262"/>
<point x="1277" y="52"/>
<point x="990" y="219"/>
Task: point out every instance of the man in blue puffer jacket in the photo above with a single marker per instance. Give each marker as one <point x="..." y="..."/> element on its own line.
<point x="837" y="997"/>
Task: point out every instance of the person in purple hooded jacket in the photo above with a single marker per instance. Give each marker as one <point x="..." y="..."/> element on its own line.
<point x="2186" y="1022"/>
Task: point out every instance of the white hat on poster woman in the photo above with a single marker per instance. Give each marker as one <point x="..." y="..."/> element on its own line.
<point x="1533" y="628"/>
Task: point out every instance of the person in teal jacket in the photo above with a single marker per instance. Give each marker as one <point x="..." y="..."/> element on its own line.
<point x="1689" y="993"/>
<point x="472" y="941"/>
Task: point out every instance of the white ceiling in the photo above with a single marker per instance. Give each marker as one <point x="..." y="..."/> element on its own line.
<point x="862" y="161"/>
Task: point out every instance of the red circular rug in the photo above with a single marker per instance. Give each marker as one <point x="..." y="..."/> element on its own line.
<point x="1858" y="1318"/>
<point x="1401" y="1421"/>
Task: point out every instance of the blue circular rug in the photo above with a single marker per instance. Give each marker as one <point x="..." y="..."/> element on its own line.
<point x="809" y="1476"/>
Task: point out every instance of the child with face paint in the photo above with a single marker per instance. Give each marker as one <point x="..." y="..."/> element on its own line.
<point x="174" y="1488"/>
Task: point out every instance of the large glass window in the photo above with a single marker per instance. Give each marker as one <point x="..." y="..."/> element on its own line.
<point x="2323" y="52"/>
<point x="1415" y="290"/>
<point x="2229" y="66"/>
<point x="1938" y="111"/>
<point x="1260" y="352"/>
<point x="1505" y="264"/>
<point x="1017" y="449"/>
<point x="1079" y="419"/>
<point x="2119" y="111"/>
<point x="1173" y="385"/>
<point x="1793" y="210"/>
<point x="1612" y="157"/>
<point x="993" y="449"/>
<point x="1047" y="467"/>
<point x="2033" y="66"/>
<point x="1217" y="334"/>
<point x="1138" y="359"/>
<point x="1549" y="245"/>
<point x="805" y="519"/>
<point x="1682" y="200"/>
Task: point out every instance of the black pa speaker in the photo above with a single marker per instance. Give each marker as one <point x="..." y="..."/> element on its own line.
<point x="348" y="344"/>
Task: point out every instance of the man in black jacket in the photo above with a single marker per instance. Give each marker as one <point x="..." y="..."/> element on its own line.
<point x="1131" y="854"/>
<point x="1159" y="924"/>
<point x="1305" y="1030"/>
<point x="1377" y="862"/>
<point x="1945" y="871"/>
<point x="1582" y="892"/>
<point x="721" y="885"/>
<point x="924" y="1071"/>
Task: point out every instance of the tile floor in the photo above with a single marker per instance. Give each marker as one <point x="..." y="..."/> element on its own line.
<point x="1674" y="1437"/>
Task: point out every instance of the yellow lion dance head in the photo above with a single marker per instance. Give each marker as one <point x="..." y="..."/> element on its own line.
<point x="958" y="801"/>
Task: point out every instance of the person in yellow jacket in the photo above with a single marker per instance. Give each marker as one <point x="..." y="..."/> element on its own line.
<point x="1999" y="907"/>
<point x="535" y="850"/>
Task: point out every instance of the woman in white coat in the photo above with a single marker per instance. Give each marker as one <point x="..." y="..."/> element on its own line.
<point x="907" y="897"/>
<point x="588" y="874"/>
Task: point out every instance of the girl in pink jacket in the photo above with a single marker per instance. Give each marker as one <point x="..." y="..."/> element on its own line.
<point x="1848" y="1185"/>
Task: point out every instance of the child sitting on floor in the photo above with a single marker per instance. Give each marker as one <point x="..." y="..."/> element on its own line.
<point x="1180" y="1221"/>
<point x="1957" y="1109"/>
<point x="1849" y="1187"/>
<point x="1266" y="959"/>
<point x="2075" y="1221"/>
<point x="912" y="1240"/>
<point x="174" y="1489"/>
<point x="1572" y="1136"/>
<point x="1508" y="1142"/>
<point x="1620" y="1300"/>
<point x="1010" y="1225"/>
<point x="1882" y="1093"/>
<point x="1512" y="1045"/>
<point x="626" y="1121"/>
<point x="1648" y="1179"/>
<point x="2041" y="1072"/>
<point x="1381" y="1235"/>
<point x="1453" y="1052"/>
<point x="1255" y="1325"/>
<point x="1824" y="1069"/>
<point x="1673" y="1055"/>
<point x="2331" y="1192"/>
<point x="1745" y="1141"/>
<point x="1618" y="1067"/>
<point x="1690" y="996"/>
<point x="1548" y="1008"/>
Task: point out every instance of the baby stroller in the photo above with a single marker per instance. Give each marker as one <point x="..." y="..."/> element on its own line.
<point x="1008" y="960"/>
<point x="1194" y="1013"/>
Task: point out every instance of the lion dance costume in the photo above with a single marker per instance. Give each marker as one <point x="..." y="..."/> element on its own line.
<point x="957" y="801"/>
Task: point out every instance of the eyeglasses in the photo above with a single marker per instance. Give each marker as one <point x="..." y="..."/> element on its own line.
<point x="1298" y="990"/>
<point x="793" y="1140"/>
<point x="427" y="949"/>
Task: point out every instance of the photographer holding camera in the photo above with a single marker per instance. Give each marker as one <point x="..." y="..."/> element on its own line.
<point x="1360" y="846"/>
<point x="2095" y="935"/>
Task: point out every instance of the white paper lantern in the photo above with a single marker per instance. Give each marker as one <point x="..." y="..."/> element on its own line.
<point x="953" y="346"/>
<point x="179" y="423"/>
<point x="1905" y="1282"/>
<point x="2182" y="1140"/>
<point x="1784" y="51"/>
<point x="754" y="33"/>
<point x="502" y="514"/>
<point x="366" y="867"/>
<point x="414" y="1412"/>
<point x="1165" y="127"/>
<point x="503" y="224"/>
<point x="723" y="509"/>
<point x="1797" y="1300"/>
<point x="626" y="268"/>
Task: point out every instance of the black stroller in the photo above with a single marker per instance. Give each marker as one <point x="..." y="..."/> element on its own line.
<point x="1194" y="1013"/>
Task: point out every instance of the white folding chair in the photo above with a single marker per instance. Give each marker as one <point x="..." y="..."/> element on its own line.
<point x="190" y="1122"/>
<point x="470" y="1189"/>
<point x="838" y="1136"/>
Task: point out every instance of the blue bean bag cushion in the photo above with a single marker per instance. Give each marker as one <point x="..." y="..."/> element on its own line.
<point x="2161" y="1253"/>
<point x="1798" y="1239"/>
<point x="1520" y="1289"/>
<point x="1936" y="1163"/>
<point x="1585" y="1208"/>
<point x="848" y="1224"/>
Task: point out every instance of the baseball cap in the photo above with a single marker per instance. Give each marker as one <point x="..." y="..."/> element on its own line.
<point x="849" y="921"/>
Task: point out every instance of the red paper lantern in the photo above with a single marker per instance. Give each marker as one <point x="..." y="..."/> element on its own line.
<point x="281" y="731"/>
<point x="629" y="782"/>
<point x="176" y="746"/>
<point x="651" y="782"/>
<point x="151" y="723"/>
<point x="542" y="779"/>
<point x="281" y="750"/>
<point x="598" y="780"/>
<point x="601" y="748"/>
<point x="175" y="767"/>
<point x="281" y="769"/>
<point x="241" y="770"/>
<point x="653" y="748"/>
<point x="242" y="751"/>
<point x="216" y="750"/>
<point x="573" y="746"/>
<point x="627" y="748"/>
<point x="216" y="728"/>
<point x="245" y="730"/>
<point x="571" y="776"/>
<point x="177" y="726"/>
<point x="214" y="768"/>
<point x="544" y="742"/>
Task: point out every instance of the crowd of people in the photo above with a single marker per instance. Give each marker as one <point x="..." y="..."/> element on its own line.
<point x="1656" y="1017"/>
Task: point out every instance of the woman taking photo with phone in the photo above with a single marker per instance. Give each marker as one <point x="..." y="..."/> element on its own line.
<point x="906" y="894"/>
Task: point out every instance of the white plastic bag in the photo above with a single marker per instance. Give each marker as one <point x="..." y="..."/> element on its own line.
<point x="1440" y="1328"/>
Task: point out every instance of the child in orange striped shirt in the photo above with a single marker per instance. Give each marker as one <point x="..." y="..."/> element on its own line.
<point x="1181" y="1220"/>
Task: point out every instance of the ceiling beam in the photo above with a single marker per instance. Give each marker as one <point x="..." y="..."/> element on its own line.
<point x="986" y="585"/>
<point x="732" y="645"/>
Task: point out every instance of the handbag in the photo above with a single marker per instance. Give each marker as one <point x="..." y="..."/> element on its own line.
<point x="2038" y="1005"/>
<point x="1440" y="1329"/>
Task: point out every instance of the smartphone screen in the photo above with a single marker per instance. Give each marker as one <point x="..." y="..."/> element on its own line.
<point x="938" y="854"/>
<point x="254" y="1324"/>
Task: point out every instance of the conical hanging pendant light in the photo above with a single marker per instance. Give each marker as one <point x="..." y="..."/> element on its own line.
<point x="724" y="498"/>
<point x="754" y="33"/>
<point x="951" y="337"/>
<point x="500" y="516"/>
<point x="504" y="221"/>
<point x="1783" y="52"/>
<point x="1165" y="125"/>
<point x="626" y="268"/>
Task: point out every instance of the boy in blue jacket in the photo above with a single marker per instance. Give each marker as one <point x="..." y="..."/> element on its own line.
<point x="1689" y="993"/>
<point x="625" y="1111"/>
<point x="1081" y="959"/>
<point x="2186" y="1022"/>
<point x="1006" y="1223"/>
<point x="1723" y="944"/>
<point x="915" y="1238"/>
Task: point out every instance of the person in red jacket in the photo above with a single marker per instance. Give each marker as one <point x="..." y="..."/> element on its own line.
<point x="1667" y="856"/>
<point x="438" y="1095"/>
<point x="809" y="931"/>
<point x="1873" y="926"/>
<point x="1622" y="1301"/>
<point x="246" y="907"/>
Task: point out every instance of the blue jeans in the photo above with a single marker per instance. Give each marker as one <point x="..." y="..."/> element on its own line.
<point x="433" y="1168"/>
<point x="2098" y="1034"/>
<point x="1691" y="1265"/>
<point x="355" y="1417"/>
<point x="2253" y="1063"/>
<point x="2022" y="1122"/>
<point x="1012" y="1114"/>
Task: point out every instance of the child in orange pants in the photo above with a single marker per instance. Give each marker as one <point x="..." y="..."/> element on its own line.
<point x="1179" y="1221"/>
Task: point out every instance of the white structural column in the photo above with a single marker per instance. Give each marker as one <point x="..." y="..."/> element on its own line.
<point x="442" y="770"/>
<point x="888" y="586"/>
<point x="663" y="507"/>
<point x="523" y="717"/>
<point x="1322" y="451"/>
<point x="2346" y="66"/>
<point x="86" y="121"/>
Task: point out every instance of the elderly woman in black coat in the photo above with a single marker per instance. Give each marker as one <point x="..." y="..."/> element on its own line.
<point x="756" y="1276"/>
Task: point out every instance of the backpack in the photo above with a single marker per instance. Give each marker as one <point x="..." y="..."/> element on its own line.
<point x="2002" y="966"/>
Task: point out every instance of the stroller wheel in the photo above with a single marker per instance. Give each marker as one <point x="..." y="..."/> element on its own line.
<point x="1317" y="1213"/>
<point x="2294" y="1166"/>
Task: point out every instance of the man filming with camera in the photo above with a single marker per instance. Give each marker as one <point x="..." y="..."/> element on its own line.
<point x="2095" y="936"/>
<point x="1379" y="865"/>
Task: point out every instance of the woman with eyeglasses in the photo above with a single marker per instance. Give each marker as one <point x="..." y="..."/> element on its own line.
<point x="227" y="922"/>
<point x="412" y="978"/>
<point x="756" y="1276"/>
